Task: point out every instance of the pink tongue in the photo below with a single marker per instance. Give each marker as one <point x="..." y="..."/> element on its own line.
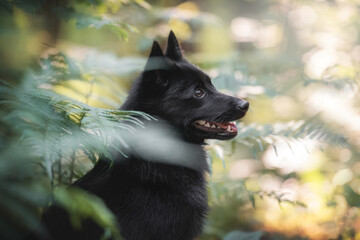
<point x="233" y="127"/>
<point x="225" y="125"/>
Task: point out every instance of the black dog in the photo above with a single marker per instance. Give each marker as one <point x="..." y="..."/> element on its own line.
<point x="161" y="195"/>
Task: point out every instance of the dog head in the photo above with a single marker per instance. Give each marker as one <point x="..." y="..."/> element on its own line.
<point x="174" y="89"/>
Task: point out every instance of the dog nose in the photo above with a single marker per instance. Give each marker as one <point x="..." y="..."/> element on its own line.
<point x="243" y="105"/>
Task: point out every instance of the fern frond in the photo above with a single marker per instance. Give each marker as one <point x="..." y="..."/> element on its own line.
<point x="54" y="126"/>
<point x="257" y="136"/>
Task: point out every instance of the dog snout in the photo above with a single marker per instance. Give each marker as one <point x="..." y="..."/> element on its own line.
<point x="243" y="105"/>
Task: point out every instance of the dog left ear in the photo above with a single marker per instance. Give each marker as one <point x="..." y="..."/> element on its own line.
<point x="173" y="49"/>
<point x="156" y="58"/>
<point x="156" y="66"/>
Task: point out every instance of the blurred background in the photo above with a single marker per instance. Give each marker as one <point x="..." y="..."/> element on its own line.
<point x="291" y="173"/>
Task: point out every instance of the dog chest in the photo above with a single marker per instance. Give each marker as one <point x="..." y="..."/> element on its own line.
<point x="167" y="201"/>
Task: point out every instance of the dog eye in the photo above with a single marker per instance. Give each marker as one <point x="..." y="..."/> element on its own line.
<point x="198" y="93"/>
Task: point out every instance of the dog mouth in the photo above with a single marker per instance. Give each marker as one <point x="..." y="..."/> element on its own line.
<point x="216" y="127"/>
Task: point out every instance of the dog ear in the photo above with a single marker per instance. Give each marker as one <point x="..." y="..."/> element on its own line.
<point x="156" y="65"/>
<point x="155" y="58"/>
<point x="173" y="50"/>
<point x="156" y="50"/>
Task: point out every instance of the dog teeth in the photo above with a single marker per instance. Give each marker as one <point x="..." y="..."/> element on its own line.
<point x="201" y="122"/>
<point x="212" y="125"/>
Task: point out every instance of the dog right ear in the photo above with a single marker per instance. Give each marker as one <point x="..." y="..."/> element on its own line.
<point x="173" y="49"/>
<point x="156" y="65"/>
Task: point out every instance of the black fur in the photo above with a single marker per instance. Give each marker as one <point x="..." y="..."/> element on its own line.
<point x="159" y="198"/>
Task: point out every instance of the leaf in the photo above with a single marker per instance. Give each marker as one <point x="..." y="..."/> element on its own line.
<point x="55" y="127"/>
<point x="119" y="28"/>
<point x="252" y="199"/>
<point x="352" y="198"/>
<point x="81" y="205"/>
<point x="119" y="31"/>
<point x="240" y="235"/>
<point x="254" y="135"/>
<point x="85" y="21"/>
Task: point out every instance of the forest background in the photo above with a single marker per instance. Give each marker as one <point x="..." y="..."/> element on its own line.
<point x="291" y="173"/>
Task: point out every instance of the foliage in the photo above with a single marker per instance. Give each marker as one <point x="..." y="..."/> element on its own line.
<point x="255" y="135"/>
<point x="81" y="205"/>
<point x="53" y="135"/>
<point x="62" y="80"/>
<point x="20" y="197"/>
<point x="58" y="132"/>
